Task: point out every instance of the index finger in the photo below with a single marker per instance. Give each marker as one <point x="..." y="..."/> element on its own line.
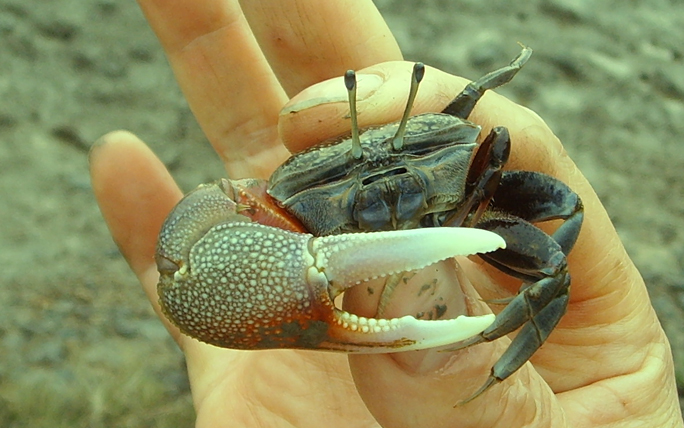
<point x="225" y="78"/>
<point x="309" y="41"/>
<point x="232" y="79"/>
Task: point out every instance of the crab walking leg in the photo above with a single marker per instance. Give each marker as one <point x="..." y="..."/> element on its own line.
<point x="238" y="284"/>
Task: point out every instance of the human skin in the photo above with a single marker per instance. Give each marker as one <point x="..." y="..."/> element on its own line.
<point x="608" y="363"/>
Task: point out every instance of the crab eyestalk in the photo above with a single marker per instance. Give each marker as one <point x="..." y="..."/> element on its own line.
<point x="350" y="83"/>
<point x="416" y="77"/>
<point x="398" y="139"/>
<point x="233" y="283"/>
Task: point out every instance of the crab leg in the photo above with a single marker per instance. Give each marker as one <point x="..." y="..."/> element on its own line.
<point x="238" y="284"/>
<point x="464" y="103"/>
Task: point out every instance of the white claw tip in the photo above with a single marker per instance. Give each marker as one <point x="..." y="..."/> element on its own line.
<point x="436" y="333"/>
<point x="368" y="335"/>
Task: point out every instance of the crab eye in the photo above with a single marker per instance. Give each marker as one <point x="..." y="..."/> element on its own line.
<point x="416" y="77"/>
<point x="350" y="83"/>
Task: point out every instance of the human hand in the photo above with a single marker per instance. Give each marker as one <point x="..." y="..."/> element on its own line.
<point x="608" y="362"/>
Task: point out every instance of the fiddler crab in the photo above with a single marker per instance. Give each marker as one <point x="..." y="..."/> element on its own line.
<point x="251" y="265"/>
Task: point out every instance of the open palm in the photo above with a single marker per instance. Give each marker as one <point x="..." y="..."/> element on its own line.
<point x="608" y="362"/>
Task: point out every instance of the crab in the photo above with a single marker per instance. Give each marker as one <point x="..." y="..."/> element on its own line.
<point x="250" y="264"/>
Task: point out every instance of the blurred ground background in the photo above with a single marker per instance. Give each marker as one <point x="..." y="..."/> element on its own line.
<point x="79" y="345"/>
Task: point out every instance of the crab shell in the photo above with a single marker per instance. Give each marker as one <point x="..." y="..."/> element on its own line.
<point x="331" y="192"/>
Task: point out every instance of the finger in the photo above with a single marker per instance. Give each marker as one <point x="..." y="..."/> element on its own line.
<point x="308" y="41"/>
<point x="318" y="113"/>
<point x="135" y="193"/>
<point x="607" y="291"/>
<point x="321" y="111"/>
<point x="395" y="389"/>
<point x="609" y="305"/>
<point x="225" y="78"/>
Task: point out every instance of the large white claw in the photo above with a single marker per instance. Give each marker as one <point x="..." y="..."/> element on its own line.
<point x="237" y="284"/>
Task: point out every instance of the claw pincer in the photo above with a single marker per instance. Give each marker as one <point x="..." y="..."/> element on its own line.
<point x="234" y="283"/>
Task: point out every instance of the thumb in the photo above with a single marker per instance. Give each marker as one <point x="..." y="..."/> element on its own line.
<point x="321" y="111"/>
<point x="423" y="388"/>
<point x="417" y="388"/>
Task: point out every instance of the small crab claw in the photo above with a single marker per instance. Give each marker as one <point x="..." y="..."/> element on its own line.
<point x="238" y="284"/>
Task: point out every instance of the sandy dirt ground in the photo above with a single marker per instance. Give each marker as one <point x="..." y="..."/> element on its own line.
<point x="79" y="344"/>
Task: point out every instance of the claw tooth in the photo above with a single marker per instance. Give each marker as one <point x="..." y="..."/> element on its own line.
<point x="351" y="258"/>
<point x="402" y="334"/>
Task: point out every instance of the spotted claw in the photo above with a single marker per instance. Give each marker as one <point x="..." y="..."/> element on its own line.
<point x="230" y="282"/>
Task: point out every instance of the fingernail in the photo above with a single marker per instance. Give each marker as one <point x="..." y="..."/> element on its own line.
<point x="108" y="138"/>
<point x="96" y="146"/>
<point x="333" y="91"/>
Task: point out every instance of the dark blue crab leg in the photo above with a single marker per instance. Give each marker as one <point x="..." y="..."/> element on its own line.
<point x="536" y="197"/>
<point x="463" y="104"/>
<point x="483" y="179"/>
<point x="539" y="260"/>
